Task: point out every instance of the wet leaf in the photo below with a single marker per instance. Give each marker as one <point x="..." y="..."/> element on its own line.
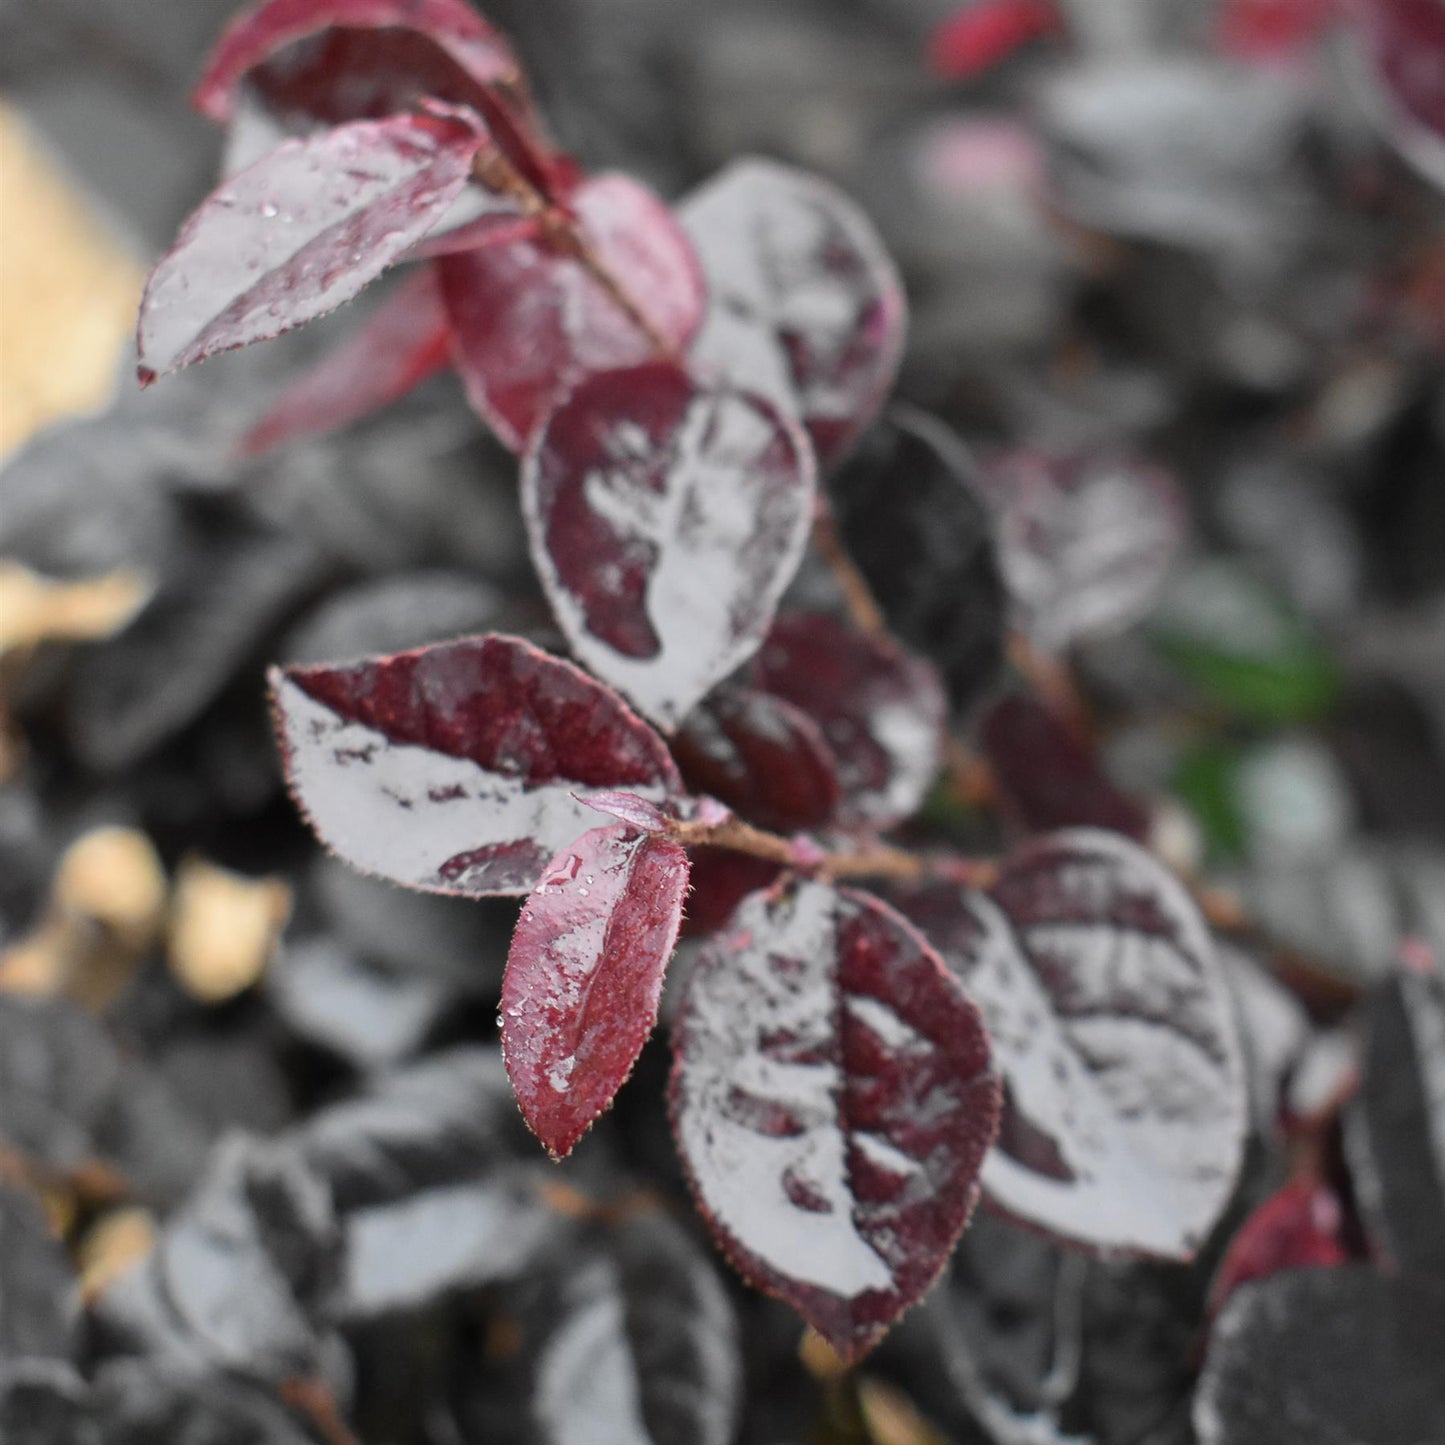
<point x="1395" y="1125"/>
<point x="1115" y="1034"/>
<point x="300" y="232"/>
<point x="832" y="1101"/>
<point x="763" y="757"/>
<point x="1085" y="539"/>
<point x="805" y="303"/>
<point x="584" y="976"/>
<point x="721" y="879"/>
<point x="1048" y="777"/>
<point x="1325" y="1357"/>
<point x="914" y="521"/>
<point x="881" y="710"/>
<point x="529" y="320"/>
<point x="974" y="39"/>
<point x="403" y="342"/>
<point x="389" y="757"/>
<point x="666" y="517"/>
<point x="1405" y="43"/>
<point x="640" y="1334"/>
<point x="39" y="1301"/>
<point x="1298" y="1227"/>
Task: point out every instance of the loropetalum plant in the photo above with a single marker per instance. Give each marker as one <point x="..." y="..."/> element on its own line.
<point x="868" y="1037"/>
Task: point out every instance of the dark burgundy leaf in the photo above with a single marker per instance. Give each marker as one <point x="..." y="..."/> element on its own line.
<point x="529" y="320"/>
<point x="913" y="520"/>
<point x="264" y="29"/>
<point x="301" y="231"/>
<point x="833" y="1102"/>
<point x="760" y="755"/>
<point x="666" y="518"/>
<point x="721" y="879"/>
<point x="1395" y="1125"/>
<point x="397" y="347"/>
<point x="44" y="1401"/>
<point x="39" y="1299"/>
<point x="1124" y="1090"/>
<point x="453" y="768"/>
<point x="1325" y="1357"/>
<point x="1047" y="775"/>
<point x="639" y="1334"/>
<point x="1085" y="539"/>
<point x="805" y="302"/>
<point x="584" y="976"/>
<point x="305" y="62"/>
<point x="629" y="808"/>
<point x="882" y="711"/>
<point x="1297" y="1227"/>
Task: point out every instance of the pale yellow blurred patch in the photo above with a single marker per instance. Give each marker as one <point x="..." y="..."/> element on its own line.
<point x="68" y="292"/>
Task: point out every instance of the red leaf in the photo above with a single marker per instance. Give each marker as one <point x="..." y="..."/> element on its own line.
<point x="665" y="518"/>
<point x="529" y="321"/>
<point x="584" y="976"/>
<point x="1266" y="30"/>
<point x="1047" y="775"/>
<point x="881" y="709"/>
<point x="252" y="37"/>
<point x="762" y="756"/>
<point x="806" y="304"/>
<point x="397" y="347"/>
<point x="328" y="61"/>
<point x="453" y="768"/>
<point x="1125" y="1098"/>
<point x="1406" y="43"/>
<point x="629" y="808"/>
<point x="1085" y="539"/>
<point x="1297" y="1227"/>
<point x="985" y="32"/>
<point x="832" y="1100"/>
<point x="300" y="232"/>
<point x="721" y="879"/>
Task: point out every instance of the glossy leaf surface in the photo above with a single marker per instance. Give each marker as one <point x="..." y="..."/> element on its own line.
<point x="881" y="709"/>
<point x="805" y="302"/>
<point x="666" y="517"/>
<point x="529" y="319"/>
<point x="1124" y="1089"/>
<point x="832" y="1100"/>
<point x="392" y="352"/>
<point x="453" y="768"/>
<point x="1085" y="539"/>
<point x="300" y="232"/>
<point x="1048" y="776"/>
<point x="584" y="975"/>
<point x="762" y="756"/>
<point x="1325" y="1357"/>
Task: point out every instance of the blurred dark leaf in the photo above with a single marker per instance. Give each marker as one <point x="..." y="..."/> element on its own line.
<point x="916" y="526"/>
<point x="39" y="1297"/>
<point x="1325" y="1357"/>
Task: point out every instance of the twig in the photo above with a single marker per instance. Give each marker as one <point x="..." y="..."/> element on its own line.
<point x="804" y="855"/>
<point x="495" y="172"/>
<point x="314" y="1399"/>
<point x="863" y="609"/>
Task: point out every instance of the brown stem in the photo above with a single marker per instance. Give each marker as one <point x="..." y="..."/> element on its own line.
<point x="863" y="609"/>
<point x="495" y="172"/>
<point x="313" y="1398"/>
<point x="879" y="861"/>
